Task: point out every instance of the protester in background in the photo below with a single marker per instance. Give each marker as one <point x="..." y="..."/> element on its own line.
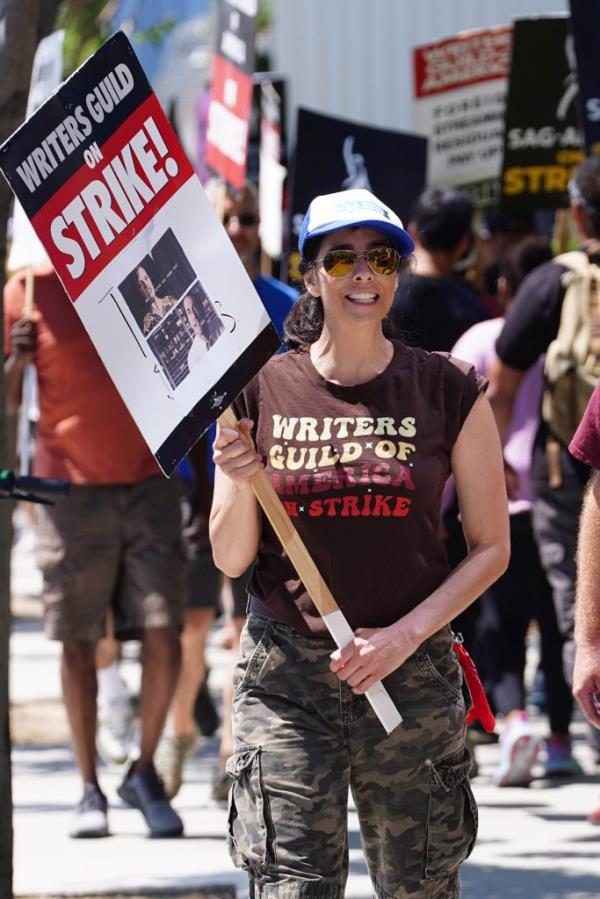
<point x="115" y="538"/>
<point x="115" y="731"/>
<point x="240" y="219"/>
<point x="239" y="210"/>
<point x="500" y="231"/>
<point x="558" y="480"/>
<point x="433" y="308"/>
<point x="506" y="608"/>
<point x="585" y="446"/>
<point x="303" y="729"/>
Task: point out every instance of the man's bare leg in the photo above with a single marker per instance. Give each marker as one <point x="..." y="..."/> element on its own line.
<point x="198" y="622"/>
<point x="142" y="788"/>
<point x="114" y="735"/>
<point x="181" y="736"/>
<point x="161" y="655"/>
<point x="78" y="676"/>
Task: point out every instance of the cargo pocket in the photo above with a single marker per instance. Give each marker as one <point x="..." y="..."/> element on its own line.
<point x="253" y="655"/>
<point x="452" y="816"/>
<point x="250" y="837"/>
<point x="443" y="671"/>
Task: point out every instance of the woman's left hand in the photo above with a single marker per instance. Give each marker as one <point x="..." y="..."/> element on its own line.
<point x="372" y="655"/>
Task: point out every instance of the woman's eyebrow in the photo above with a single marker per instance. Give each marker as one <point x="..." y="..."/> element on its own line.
<point x="381" y="242"/>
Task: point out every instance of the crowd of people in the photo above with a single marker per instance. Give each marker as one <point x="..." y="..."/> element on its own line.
<point x="432" y="335"/>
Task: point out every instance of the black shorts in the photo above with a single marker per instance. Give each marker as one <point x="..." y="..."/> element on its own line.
<point x="205" y="582"/>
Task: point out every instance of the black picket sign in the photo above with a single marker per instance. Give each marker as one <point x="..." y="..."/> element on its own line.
<point x="585" y="26"/>
<point x="543" y="141"/>
<point x="332" y="154"/>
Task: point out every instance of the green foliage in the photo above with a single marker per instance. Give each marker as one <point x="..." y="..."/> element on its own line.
<point x="86" y="21"/>
<point x="264" y="18"/>
<point x="84" y="30"/>
<point x="155" y="33"/>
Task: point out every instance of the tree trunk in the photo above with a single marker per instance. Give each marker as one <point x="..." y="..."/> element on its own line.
<point x="22" y="24"/>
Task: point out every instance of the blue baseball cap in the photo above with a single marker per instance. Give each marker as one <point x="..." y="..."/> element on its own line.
<point x="353" y="209"/>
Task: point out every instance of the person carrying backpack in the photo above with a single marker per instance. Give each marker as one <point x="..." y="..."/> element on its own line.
<point x="555" y="312"/>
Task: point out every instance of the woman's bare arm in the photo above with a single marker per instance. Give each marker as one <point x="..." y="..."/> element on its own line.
<point x="478" y="473"/>
<point x="235" y="521"/>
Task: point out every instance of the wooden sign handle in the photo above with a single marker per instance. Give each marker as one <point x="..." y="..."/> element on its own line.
<point x="29" y="291"/>
<point x="287" y="533"/>
<point x="308" y="573"/>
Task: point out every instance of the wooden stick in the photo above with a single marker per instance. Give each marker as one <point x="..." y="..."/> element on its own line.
<point x="309" y="574"/>
<point x="287" y="533"/>
<point x="29" y="384"/>
<point x="29" y="285"/>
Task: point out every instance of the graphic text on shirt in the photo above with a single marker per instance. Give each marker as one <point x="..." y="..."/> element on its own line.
<point x="354" y="457"/>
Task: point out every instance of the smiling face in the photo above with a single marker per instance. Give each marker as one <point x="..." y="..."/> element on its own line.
<point x="361" y="296"/>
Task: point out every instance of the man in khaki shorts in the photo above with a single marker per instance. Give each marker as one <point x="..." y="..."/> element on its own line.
<point x="115" y="541"/>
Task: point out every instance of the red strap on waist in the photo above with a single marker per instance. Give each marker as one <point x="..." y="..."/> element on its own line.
<point x="480" y="707"/>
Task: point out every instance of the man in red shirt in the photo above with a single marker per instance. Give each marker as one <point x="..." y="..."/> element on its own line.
<point x="113" y="542"/>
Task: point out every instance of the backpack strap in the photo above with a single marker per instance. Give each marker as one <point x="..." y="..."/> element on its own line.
<point x="582" y="283"/>
<point x="571" y="346"/>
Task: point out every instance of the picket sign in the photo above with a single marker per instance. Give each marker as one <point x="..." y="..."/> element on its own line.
<point x="317" y="589"/>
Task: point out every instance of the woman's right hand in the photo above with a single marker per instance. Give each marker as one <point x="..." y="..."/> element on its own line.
<point x="235" y="454"/>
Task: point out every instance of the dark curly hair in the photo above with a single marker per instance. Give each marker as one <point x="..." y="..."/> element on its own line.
<point x="304" y="322"/>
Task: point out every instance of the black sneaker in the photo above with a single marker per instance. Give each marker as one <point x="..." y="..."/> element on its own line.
<point x="205" y="712"/>
<point x="90" y="818"/>
<point x="144" y="790"/>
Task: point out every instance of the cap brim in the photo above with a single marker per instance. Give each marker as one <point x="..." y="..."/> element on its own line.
<point x="399" y="238"/>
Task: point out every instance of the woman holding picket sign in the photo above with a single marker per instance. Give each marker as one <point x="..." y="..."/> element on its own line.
<point x="358" y="434"/>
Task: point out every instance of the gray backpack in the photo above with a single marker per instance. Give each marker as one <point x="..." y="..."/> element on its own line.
<point x="572" y="365"/>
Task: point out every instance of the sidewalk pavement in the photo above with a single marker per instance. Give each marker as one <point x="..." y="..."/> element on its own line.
<point x="533" y="843"/>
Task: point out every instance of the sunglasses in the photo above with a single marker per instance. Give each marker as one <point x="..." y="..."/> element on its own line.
<point x="244" y="219"/>
<point x="341" y="263"/>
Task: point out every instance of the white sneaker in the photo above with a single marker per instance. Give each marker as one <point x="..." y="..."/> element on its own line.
<point x="519" y="749"/>
<point x="90" y="818"/>
<point x="114" y="734"/>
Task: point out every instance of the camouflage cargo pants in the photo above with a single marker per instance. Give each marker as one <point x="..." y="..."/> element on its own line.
<point x="303" y="738"/>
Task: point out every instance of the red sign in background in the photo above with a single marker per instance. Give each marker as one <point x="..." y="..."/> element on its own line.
<point x="228" y="122"/>
<point x="468" y="58"/>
